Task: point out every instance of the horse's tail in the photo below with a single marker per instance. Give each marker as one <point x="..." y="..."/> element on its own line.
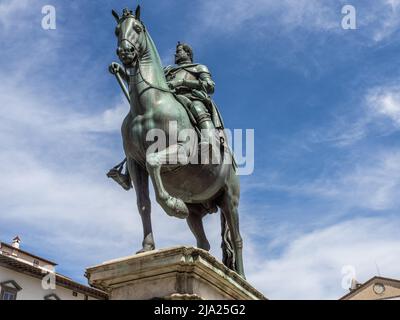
<point x="228" y="255"/>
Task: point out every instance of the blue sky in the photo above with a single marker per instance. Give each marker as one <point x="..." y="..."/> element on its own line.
<point x="324" y="103"/>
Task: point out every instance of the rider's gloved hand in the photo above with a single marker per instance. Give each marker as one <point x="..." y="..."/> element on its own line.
<point x="114" y="68"/>
<point x="174" y="84"/>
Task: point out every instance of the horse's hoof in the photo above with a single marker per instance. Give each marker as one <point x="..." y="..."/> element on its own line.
<point x="177" y="208"/>
<point x="146" y="248"/>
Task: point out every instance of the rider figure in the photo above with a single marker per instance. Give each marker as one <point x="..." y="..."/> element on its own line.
<point x="193" y="81"/>
<point x="193" y="86"/>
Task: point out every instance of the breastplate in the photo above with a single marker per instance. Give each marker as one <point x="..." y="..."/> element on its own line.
<point x="180" y="75"/>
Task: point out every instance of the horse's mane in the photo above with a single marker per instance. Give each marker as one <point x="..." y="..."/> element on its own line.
<point x="153" y="48"/>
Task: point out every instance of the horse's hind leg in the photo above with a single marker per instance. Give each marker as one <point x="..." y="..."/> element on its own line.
<point x="140" y="180"/>
<point x="229" y="203"/>
<point x="195" y="222"/>
<point x="154" y="161"/>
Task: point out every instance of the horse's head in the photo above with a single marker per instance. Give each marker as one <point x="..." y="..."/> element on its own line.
<point x="128" y="31"/>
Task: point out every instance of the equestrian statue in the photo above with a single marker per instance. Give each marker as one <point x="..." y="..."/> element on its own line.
<point x="178" y="95"/>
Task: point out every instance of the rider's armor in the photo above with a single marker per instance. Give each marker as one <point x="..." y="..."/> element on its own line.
<point x="196" y="88"/>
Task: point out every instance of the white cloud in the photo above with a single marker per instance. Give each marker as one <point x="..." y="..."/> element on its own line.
<point x="344" y="131"/>
<point x="371" y="183"/>
<point x="377" y="112"/>
<point x="310" y="266"/>
<point x="385" y="102"/>
<point x="109" y="120"/>
<point x="366" y="182"/>
<point x="376" y="20"/>
<point x="286" y="14"/>
<point x="387" y="19"/>
<point x="10" y="9"/>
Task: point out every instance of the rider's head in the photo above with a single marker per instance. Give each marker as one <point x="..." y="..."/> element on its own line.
<point x="184" y="53"/>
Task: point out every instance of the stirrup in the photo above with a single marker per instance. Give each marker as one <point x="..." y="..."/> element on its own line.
<point x="120" y="178"/>
<point x="124" y="180"/>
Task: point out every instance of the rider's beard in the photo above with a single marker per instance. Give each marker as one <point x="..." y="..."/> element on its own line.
<point x="181" y="60"/>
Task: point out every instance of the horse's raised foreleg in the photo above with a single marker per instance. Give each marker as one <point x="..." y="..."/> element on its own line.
<point x="154" y="161"/>
<point x="140" y="180"/>
<point x="229" y="203"/>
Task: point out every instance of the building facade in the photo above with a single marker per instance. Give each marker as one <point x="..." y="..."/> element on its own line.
<point x="25" y="276"/>
<point x="376" y="288"/>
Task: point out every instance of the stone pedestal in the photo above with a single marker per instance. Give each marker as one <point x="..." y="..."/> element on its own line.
<point x="178" y="273"/>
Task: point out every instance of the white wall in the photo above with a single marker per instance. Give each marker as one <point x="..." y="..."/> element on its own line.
<point x="32" y="287"/>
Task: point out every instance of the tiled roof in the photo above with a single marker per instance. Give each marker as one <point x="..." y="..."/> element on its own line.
<point x="3" y="244"/>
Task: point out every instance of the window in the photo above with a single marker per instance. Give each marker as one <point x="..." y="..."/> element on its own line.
<point x="74" y="293"/>
<point x="9" y="290"/>
<point x="9" y="295"/>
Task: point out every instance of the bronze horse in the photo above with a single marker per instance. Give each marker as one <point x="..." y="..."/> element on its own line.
<point x="182" y="189"/>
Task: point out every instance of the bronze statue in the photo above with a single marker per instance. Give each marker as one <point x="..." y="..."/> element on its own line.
<point x="180" y="94"/>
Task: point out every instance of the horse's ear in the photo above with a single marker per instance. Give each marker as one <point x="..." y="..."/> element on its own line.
<point x="137" y="13"/>
<point x="116" y="16"/>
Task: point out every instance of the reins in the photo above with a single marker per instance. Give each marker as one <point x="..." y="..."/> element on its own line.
<point x="139" y="65"/>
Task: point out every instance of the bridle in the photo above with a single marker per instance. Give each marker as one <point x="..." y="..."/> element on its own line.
<point x="137" y="63"/>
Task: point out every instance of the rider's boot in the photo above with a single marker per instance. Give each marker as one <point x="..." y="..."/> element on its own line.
<point x="209" y="140"/>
